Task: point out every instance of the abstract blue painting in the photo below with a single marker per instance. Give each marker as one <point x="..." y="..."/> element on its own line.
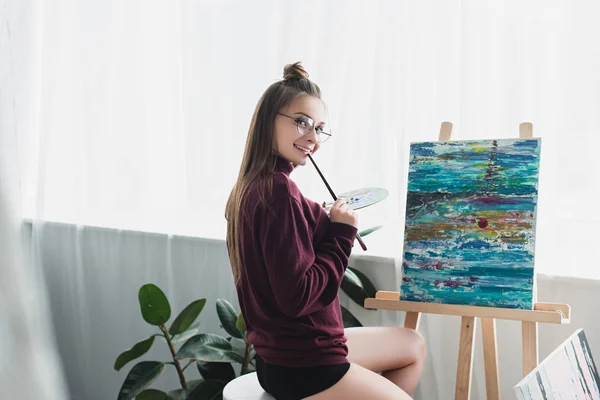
<point x="469" y="236"/>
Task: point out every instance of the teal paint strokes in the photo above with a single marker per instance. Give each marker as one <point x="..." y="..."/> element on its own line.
<point x="470" y="223"/>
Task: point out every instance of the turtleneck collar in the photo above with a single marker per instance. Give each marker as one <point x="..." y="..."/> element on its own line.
<point x="283" y="165"/>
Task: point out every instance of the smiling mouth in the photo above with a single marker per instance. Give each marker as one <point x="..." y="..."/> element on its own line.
<point x="303" y="149"/>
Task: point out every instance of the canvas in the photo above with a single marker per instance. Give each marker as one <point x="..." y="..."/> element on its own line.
<point x="470" y="223"/>
<point x="569" y="372"/>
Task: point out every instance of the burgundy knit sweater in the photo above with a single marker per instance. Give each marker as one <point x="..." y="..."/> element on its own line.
<point x="293" y="260"/>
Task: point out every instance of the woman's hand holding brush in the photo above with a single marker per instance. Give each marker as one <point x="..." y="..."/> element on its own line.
<point x="340" y="212"/>
<point x="360" y="241"/>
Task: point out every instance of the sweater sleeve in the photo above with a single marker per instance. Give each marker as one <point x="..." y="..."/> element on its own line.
<point x="304" y="279"/>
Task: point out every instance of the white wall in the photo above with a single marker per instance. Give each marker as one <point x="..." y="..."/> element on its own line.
<point x="93" y="276"/>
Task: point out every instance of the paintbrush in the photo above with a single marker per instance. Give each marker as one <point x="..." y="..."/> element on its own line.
<point x="362" y="244"/>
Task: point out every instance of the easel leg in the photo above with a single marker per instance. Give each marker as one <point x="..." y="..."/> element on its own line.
<point x="412" y="320"/>
<point x="465" y="359"/>
<point x="530" y="346"/>
<point x="490" y="358"/>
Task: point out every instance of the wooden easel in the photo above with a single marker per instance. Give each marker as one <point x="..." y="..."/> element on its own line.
<point x="542" y="312"/>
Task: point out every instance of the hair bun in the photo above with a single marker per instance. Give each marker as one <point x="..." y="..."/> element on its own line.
<point x="294" y="71"/>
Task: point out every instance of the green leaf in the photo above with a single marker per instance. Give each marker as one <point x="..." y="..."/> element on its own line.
<point x="193" y="383"/>
<point x="367" y="285"/>
<point x="187" y="317"/>
<point x="182" y="394"/>
<point x="182" y="337"/>
<point x="179" y="394"/>
<point x="370" y="230"/>
<point x="354" y="287"/>
<point x="239" y="346"/>
<point x="357" y="286"/>
<point x="208" y="347"/>
<point x="139" y="378"/>
<point x="350" y="320"/>
<point x="208" y="390"/>
<point x="151" y="394"/>
<point x="352" y="278"/>
<point x="220" y="371"/>
<point x="154" y="305"/>
<point x="240" y="324"/>
<point x="228" y="317"/>
<point x="138" y="350"/>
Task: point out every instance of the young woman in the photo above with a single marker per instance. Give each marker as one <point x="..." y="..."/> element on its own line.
<point x="288" y="258"/>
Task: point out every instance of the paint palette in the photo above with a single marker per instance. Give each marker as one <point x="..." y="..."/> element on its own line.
<point x="361" y="198"/>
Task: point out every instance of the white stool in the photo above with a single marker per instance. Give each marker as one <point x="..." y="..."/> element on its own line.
<point x="245" y="387"/>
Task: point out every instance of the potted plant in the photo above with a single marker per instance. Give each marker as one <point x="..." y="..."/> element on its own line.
<point x="213" y="355"/>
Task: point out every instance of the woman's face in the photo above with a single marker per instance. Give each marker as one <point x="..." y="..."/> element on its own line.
<point x="289" y="143"/>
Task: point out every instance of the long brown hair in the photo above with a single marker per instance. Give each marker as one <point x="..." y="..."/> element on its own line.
<point x="258" y="162"/>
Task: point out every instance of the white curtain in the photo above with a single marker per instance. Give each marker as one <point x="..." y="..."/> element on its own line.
<point x="30" y="367"/>
<point x="140" y="111"/>
<point x="144" y="105"/>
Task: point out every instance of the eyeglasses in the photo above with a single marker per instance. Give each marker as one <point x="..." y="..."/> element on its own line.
<point x="305" y="125"/>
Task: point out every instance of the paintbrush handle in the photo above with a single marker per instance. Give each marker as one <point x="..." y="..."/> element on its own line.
<point x="360" y="241"/>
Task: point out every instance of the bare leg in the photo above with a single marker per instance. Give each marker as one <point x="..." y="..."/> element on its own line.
<point x="397" y="353"/>
<point x="359" y="384"/>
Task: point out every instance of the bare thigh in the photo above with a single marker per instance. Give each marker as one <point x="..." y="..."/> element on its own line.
<point x="382" y="349"/>
<point x="359" y="384"/>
